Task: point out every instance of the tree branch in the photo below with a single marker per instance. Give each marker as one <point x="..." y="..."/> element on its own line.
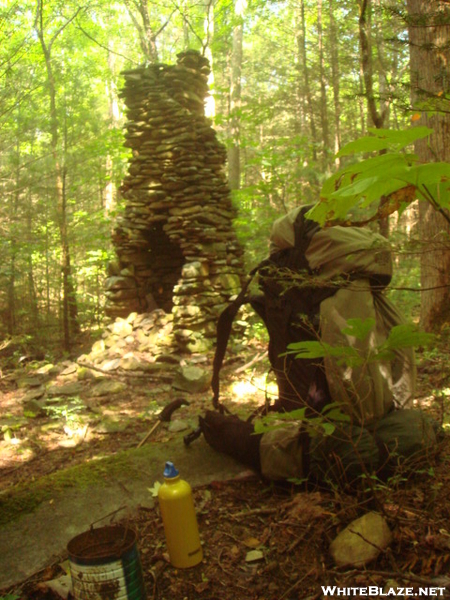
<point x="84" y="32"/>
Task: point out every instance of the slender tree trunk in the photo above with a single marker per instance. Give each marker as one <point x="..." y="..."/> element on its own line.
<point x="210" y="106"/>
<point x="11" y="293"/>
<point x="147" y="37"/>
<point x="13" y="243"/>
<point x="110" y="191"/>
<point x="304" y="75"/>
<point x="382" y="68"/>
<point x="234" y="155"/>
<point x="362" y="112"/>
<point x="429" y="39"/>
<point x="378" y="117"/>
<point x="365" y="45"/>
<point x="334" y="54"/>
<point x="323" y="90"/>
<point x="34" y="308"/>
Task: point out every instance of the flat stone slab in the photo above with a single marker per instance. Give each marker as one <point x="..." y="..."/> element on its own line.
<point x="39" y="538"/>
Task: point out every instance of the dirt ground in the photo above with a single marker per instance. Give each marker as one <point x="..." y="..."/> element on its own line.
<point x="289" y="527"/>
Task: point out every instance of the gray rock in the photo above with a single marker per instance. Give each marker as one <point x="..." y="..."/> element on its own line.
<point x="130" y="363"/>
<point x="178" y="425"/>
<point x="34" y="394"/>
<point x="121" y="328"/>
<point x="361" y="541"/>
<point x="108" y="387"/>
<point x="110" y="425"/>
<point x="70" y="370"/>
<point x="47" y="369"/>
<point x="192" y="379"/>
<point x="68" y="389"/>
<point x="25" y="382"/>
<point x="110" y="365"/>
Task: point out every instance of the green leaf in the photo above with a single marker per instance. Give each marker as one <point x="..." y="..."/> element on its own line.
<point x="155" y="489"/>
<point x="275" y="421"/>
<point x="403" y="137"/>
<point x="358" y="328"/>
<point x="402" y="336"/>
<point x="310" y="349"/>
<point x="364" y="144"/>
<point x="337" y="415"/>
<point x="385" y="139"/>
<point x="328" y="428"/>
<point x="313" y="349"/>
<point x="436" y="172"/>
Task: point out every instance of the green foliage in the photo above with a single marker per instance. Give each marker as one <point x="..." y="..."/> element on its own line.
<point x="324" y="423"/>
<point x="68" y="410"/>
<point x="289" y="120"/>
<point x="400" y="336"/>
<point x="363" y="183"/>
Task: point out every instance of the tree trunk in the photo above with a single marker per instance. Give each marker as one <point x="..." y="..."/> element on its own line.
<point x="210" y="104"/>
<point x="429" y="39"/>
<point x="378" y="117"/>
<point x="110" y="191"/>
<point x="234" y="155"/>
<point x="147" y="37"/>
<point x="304" y="75"/>
<point x="34" y="308"/>
<point x="334" y="56"/>
<point x="323" y="90"/>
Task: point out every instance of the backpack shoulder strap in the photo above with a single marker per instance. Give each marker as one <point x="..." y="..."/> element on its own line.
<point x="224" y="326"/>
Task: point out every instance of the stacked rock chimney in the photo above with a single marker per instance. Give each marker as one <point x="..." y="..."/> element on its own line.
<point x="175" y="243"/>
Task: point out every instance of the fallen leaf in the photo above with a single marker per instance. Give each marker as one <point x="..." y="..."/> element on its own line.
<point x="252" y="542"/>
<point x="254" y="555"/>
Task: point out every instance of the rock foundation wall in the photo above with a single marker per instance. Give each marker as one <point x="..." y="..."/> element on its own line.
<point x="175" y="244"/>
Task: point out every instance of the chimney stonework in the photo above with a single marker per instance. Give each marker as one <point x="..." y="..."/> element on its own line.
<point x="175" y="243"/>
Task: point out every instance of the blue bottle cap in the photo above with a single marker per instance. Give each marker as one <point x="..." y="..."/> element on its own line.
<point x="170" y="471"/>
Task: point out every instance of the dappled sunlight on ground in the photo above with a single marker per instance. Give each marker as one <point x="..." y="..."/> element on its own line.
<point x="257" y="388"/>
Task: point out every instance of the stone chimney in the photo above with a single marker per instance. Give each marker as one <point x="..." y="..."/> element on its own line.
<point x="175" y="243"/>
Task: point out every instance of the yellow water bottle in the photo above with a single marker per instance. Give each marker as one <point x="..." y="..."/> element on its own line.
<point x="180" y="522"/>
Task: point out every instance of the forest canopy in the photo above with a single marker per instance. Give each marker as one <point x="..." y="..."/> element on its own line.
<point x="293" y="84"/>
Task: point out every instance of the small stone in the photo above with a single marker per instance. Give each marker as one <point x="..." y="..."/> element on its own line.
<point x="98" y="347"/>
<point x="33" y="394"/>
<point x="70" y="369"/>
<point x="121" y="328"/>
<point x="110" y="425"/>
<point x="130" y="363"/>
<point x="108" y="387"/>
<point x="85" y="373"/>
<point x="198" y="344"/>
<point x="254" y="555"/>
<point x="361" y="541"/>
<point x="110" y="365"/>
<point x="178" y="425"/>
<point x="192" y="379"/>
<point x="46" y="369"/>
<point x="68" y="389"/>
<point x="29" y="382"/>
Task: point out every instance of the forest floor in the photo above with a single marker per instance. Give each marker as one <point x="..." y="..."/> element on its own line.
<point x="260" y="541"/>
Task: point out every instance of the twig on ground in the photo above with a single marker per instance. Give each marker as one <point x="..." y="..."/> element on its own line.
<point x="260" y="356"/>
<point x="129" y="374"/>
